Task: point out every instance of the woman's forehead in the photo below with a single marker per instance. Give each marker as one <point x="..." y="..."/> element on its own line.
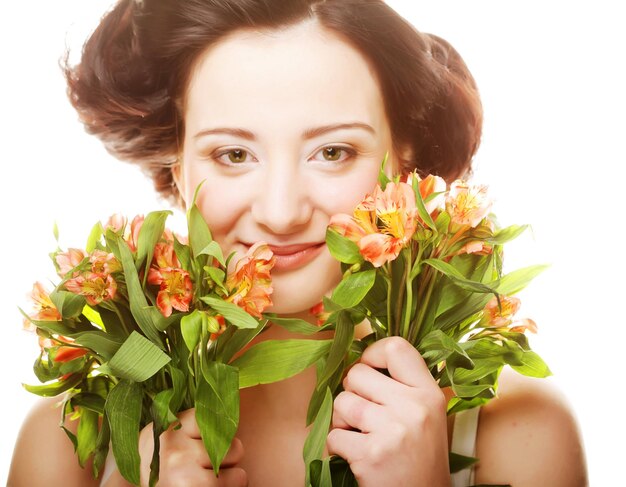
<point x="303" y="71"/>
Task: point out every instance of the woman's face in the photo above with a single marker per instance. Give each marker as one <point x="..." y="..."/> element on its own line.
<point x="287" y="128"/>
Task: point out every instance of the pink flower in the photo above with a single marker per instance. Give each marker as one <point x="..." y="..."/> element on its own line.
<point x="116" y="223"/>
<point x="175" y="289"/>
<point x="44" y="308"/>
<point x="476" y="247"/>
<point x="133" y="237"/>
<point x="95" y="287"/>
<point x="250" y="284"/>
<point x="67" y="261"/>
<point x="502" y="317"/>
<point x="103" y="262"/>
<point x="467" y="205"/>
<point x="382" y="224"/>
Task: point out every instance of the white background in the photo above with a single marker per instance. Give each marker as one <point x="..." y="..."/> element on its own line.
<point x="552" y="80"/>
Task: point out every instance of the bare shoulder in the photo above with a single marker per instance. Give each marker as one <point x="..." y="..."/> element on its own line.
<point x="528" y="436"/>
<point x="43" y="453"/>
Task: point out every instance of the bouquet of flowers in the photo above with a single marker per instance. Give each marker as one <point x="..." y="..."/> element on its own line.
<point x="423" y="262"/>
<point x="143" y="325"/>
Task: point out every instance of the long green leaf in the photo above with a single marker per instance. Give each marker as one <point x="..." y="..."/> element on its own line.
<point x="55" y="388"/>
<point x="316" y="439"/>
<point x="344" y="333"/>
<point x="150" y="233"/>
<point x="138" y="303"/>
<point x="293" y="325"/>
<point x="104" y="344"/>
<point x="517" y="280"/>
<point x="458" y="278"/>
<point x="533" y="366"/>
<point x="214" y="250"/>
<point x="274" y="360"/>
<point x="123" y="409"/>
<point x="70" y="305"/>
<point x="239" y="339"/>
<point x="233" y="313"/>
<point x="199" y="233"/>
<point x="138" y="359"/>
<point x="352" y="289"/>
<point x="421" y="207"/>
<point x="217" y="409"/>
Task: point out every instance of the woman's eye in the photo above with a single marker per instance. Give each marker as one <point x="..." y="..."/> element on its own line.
<point x="335" y="154"/>
<point x="234" y="156"/>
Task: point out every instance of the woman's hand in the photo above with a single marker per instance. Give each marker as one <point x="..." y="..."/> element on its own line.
<point x="185" y="462"/>
<point x="401" y="436"/>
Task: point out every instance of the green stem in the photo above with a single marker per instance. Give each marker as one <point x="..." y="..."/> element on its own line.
<point x="390" y="325"/>
<point x="409" y="295"/>
<point x="423" y="307"/>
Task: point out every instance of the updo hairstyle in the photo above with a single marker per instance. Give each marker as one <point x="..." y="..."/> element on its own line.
<point x="130" y="84"/>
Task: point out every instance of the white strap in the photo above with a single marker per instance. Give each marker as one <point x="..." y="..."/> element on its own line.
<point x="464" y="443"/>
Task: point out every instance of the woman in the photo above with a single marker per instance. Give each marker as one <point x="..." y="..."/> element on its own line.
<point x="286" y="109"/>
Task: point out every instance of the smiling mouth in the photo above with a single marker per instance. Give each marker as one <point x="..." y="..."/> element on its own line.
<point x="290" y="257"/>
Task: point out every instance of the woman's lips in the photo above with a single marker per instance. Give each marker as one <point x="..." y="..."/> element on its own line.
<point x="289" y="257"/>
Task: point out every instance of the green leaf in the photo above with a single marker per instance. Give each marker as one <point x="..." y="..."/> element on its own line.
<point x="352" y="289"/>
<point x="217" y="275"/>
<point x="94" y="237"/>
<point x="86" y="435"/>
<point x="102" y="447"/>
<point x="214" y="250"/>
<point x="190" y="327"/>
<point x="239" y="339"/>
<point x="138" y="303"/>
<point x="199" y="233"/>
<point x="421" y="207"/>
<point x="150" y="233"/>
<point x="534" y="366"/>
<point x="460" y="462"/>
<point x="437" y="346"/>
<point x="316" y="439"/>
<point x="70" y="305"/>
<point x="233" y="313"/>
<point x="138" y="359"/>
<point x="344" y="333"/>
<point x="506" y="234"/>
<point x="517" y="280"/>
<point x="383" y="179"/>
<point x="104" y="344"/>
<point x="342" y="248"/>
<point x="293" y="325"/>
<point x="55" y="388"/>
<point x="123" y="409"/>
<point x="458" y="278"/>
<point x="274" y="360"/>
<point x="217" y="409"/>
<point x="183" y="254"/>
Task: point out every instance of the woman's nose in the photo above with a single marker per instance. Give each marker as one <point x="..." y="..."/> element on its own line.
<point x="282" y="205"/>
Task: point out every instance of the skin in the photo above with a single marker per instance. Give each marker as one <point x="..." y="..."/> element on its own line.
<point x="283" y="190"/>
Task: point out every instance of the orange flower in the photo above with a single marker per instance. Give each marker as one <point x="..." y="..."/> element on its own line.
<point x="382" y="223"/>
<point x="467" y="205"/>
<point x="499" y="315"/>
<point x="66" y="261"/>
<point x="45" y="310"/>
<point x="428" y="186"/>
<point x="165" y="256"/>
<point x="175" y="291"/>
<point x="95" y="287"/>
<point x="218" y="324"/>
<point x="250" y="284"/>
<point x="475" y="247"/>
<point x="60" y="352"/>
<point x="319" y="313"/>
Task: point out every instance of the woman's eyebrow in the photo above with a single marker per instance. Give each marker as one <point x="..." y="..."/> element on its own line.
<point x="307" y="134"/>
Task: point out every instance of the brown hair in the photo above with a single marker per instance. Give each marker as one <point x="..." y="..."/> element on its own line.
<point x="130" y="83"/>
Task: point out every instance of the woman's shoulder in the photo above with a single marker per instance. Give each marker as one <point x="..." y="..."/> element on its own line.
<point x="43" y="453"/>
<point x="528" y="435"/>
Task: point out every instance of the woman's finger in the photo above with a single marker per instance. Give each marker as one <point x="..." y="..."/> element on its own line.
<point x="188" y="423"/>
<point x="371" y="384"/>
<point x="234" y="455"/>
<point x="401" y="359"/>
<point x="353" y="411"/>
<point x="347" y="444"/>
